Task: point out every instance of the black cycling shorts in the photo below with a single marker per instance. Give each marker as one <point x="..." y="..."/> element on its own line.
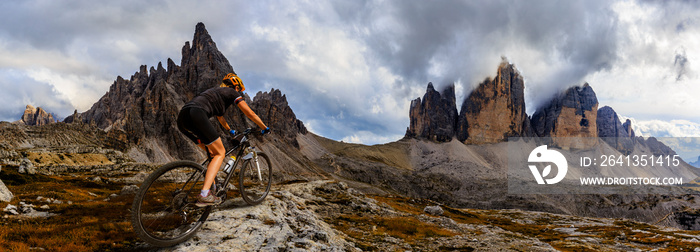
<point x="195" y="124"/>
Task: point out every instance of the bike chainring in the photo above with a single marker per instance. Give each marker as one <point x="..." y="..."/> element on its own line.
<point x="221" y="193"/>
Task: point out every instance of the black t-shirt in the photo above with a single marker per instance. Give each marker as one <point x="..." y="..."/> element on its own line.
<point x="216" y="100"/>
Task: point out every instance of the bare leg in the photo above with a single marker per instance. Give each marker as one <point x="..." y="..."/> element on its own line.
<point x="217" y="152"/>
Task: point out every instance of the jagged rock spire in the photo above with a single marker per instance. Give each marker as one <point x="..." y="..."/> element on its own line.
<point x="612" y="131"/>
<point x="572" y="114"/>
<point x="495" y="110"/>
<point x="36" y="116"/>
<point x="434" y="117"/>
<point x="145" y="107"/>
<point x="203" y="64"/>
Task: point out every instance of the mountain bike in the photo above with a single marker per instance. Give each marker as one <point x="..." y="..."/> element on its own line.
<point x="164" y="211"/>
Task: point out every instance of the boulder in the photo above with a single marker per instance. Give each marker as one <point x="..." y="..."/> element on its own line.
<point x="129" y="190"/>
<point x="5" y="194"/>
<point x="26" y="166"/>
<point x="434" y="210"/>
<point x="11" y="209"/>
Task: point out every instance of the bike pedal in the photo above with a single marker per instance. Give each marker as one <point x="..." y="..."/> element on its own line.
<point x="222" y="195"/>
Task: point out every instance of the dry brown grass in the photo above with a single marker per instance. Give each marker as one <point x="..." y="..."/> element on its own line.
<point x="636" y="234"/>
<point x="50" y="158"/>
<point x="88" y="224"/>
<point x="92" y="224"/>
<point x="395" y="154"/>
<point x="365" y="229"/>
<point x="410" y="229"/>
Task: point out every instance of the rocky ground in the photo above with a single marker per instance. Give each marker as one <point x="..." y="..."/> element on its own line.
<point x="87" y="209"/>
<point x="71" y="192"/>
<point x="72" y="183"/>
<point x="330" y="216"/>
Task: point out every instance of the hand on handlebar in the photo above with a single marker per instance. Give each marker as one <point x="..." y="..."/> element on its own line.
<point x="250" y="131"/>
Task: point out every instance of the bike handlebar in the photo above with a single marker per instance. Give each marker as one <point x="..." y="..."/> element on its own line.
<point x="247" y="132"/>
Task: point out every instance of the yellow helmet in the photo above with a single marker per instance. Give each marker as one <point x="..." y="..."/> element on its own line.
<point x="232" y="80"/>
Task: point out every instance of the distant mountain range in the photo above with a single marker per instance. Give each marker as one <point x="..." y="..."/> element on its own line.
<point x="144" y="107"/>
<point x="456" y="157"/>
<point x="142" y="110"/>
<point x="35" y="117"/>
<point x="696" y="163"/>
<point x="495" y="111"/>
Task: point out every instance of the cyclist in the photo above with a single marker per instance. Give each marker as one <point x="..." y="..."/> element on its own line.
<point x="193" y="121"/>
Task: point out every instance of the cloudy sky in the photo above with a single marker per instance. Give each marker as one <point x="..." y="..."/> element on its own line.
<point x="350" y="68"/>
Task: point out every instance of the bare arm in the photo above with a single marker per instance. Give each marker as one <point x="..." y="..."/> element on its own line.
<point x="223" y="122"/>
<point x="250" y="114"/>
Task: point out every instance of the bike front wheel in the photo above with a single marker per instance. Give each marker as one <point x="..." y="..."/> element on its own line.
<point x="255" y="179"/>
<point x="164" y="211"/>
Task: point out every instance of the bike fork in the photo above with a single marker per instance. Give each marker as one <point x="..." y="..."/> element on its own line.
<point x="257" y="165"/>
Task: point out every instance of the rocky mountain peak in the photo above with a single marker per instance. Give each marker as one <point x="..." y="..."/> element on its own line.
<point x="571" y="115"/>
<point x="36" y="116"/>
<point x="204" y="65"/>
<point x="613" y="132"/>
<point x="435" y="116"/>
<point x="495" y="110"/>
<point x="695" y="163"/>
<point x="145" y="106"/>
<point x="628" y="128"/>
<point x="201" y="35"/>
<point x="273" y="109"/>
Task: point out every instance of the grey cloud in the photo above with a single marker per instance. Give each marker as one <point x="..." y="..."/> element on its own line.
<point x="97" y="41"/>
<point x="683" y="25"/>
<point x="468" y="38"/>
<point x="673" y="20"/>
<point x="671" y="7"/>
<point x="54" y="24"/>
<point x="93" y="30"/>
<point x="422" y="31"/>
<point x="681" y="64"/>
<point x="18" y="91"/>
<point x="418" y="41"/>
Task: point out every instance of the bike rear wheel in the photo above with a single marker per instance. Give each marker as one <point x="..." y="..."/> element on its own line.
<point x="164" y="211"/>
<point x="255" y="183"/>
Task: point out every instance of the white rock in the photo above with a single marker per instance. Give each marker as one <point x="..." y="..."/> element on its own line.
<point x="11" y="209"/>
<point x="129" y="190"/>
<point x="5" y="194"/>
<point x="434" y="210"/>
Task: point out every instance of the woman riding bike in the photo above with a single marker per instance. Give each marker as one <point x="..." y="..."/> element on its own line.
<point x="193" y="121"/>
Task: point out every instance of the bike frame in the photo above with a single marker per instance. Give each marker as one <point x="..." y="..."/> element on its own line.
<point x="244" y="144"/>
<point x="184" y="206"/>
